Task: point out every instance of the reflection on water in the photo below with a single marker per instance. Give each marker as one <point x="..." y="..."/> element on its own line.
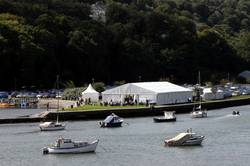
<point x="139" y="142"/>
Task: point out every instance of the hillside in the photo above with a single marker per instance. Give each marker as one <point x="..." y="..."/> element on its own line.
<point x="122" y="40"/>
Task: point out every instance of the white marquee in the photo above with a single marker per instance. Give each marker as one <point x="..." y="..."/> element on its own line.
<point x="158" y="92"/>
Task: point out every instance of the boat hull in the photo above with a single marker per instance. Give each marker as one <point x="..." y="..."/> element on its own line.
<point x="116" y="124"/>
<point x="6" y="105"/>
<point x="191" y="142"/>
<point x="158" y="120"/>
<point x="42" y="128"/>
<point x="198" y="114"/>
<point x="84" y="149"/>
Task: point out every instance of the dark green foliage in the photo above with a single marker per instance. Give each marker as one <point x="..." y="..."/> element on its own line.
<point x="99" y="86"/>
<point x="141" y="40"/>
<point x="72" y="93"/>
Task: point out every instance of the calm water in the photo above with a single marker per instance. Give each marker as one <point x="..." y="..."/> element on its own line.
<point x="139" y="142"/>
<point x="12" y="113"/>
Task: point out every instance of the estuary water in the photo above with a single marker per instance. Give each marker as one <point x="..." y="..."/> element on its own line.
<point x="140" y="142"/>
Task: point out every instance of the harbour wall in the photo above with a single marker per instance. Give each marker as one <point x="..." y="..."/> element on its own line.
<point x="128" y="112"/>
<point x="142" y="112"/>
<point x="21" y="120"/>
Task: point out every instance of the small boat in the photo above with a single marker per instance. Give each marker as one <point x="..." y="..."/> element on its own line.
<point x="168" y="117"/>
<point x="6" y="105"/>
<point x="199" y="113"/>
<point x="236" y="113"/>
<point x="185" y="139"/>
<point x="68" y="146"/>
<point x="112" y="121"/>
<point x="51" y="126"/>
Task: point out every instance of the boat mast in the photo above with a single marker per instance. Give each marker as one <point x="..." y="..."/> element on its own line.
<point x="57" y="87"/>
<point x="199" y="86"/>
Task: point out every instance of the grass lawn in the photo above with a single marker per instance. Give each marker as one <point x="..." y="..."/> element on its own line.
<point x="99" y="107"/>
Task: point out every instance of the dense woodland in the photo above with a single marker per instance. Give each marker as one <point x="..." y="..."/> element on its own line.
<point x="140" y="40"/>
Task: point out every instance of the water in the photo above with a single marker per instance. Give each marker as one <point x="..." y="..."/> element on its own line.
<point x="13" y="113"/>
<point x="139" y="142"/>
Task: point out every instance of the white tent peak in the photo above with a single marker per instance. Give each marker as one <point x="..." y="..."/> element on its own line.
<point x="91" y="94"/>
<point x="90" y="89"/>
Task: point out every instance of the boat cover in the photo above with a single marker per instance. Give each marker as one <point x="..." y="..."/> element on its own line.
<point x="109" y="119"/>
<point x="180" y="138"/>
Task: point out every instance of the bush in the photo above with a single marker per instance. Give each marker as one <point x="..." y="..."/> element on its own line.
<point x="99" y="86"/>
<point x="73" y="93"/>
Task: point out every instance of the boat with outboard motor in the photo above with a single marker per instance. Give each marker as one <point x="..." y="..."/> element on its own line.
<point x="185" y="139"/>
<point x="112" y="121"/>
<point x="63" y="145"/>
<point x="169" y="116"/>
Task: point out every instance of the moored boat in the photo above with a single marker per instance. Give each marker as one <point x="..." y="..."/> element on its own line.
<point x="185" y="139"/>
<point x="168" y="117"/>
<point x="68" y="146"/>
<point x="236" y="113"/>
<point x="112" y="121"/>
<point x="199" y="113"/>
<point x="7" y="105"/>
<point x="52" y="126"/>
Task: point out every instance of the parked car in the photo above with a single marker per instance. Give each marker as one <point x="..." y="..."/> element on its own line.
<point x="14" y="94"/>
<point x="31" y="95"/>
<point x="45" y="95"/>
<point x="4" y="95"/>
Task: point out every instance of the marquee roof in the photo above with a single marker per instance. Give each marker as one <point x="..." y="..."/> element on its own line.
<point x="146" y="88"/>
<point x="90" y="90"/>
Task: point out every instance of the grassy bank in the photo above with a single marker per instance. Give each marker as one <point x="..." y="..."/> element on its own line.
<point x="99" y="107"/>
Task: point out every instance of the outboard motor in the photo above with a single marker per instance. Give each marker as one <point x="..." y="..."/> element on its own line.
<point x="101" y="124"/>
<point x="45" y="151"/>
<point x="238" y="113"/>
